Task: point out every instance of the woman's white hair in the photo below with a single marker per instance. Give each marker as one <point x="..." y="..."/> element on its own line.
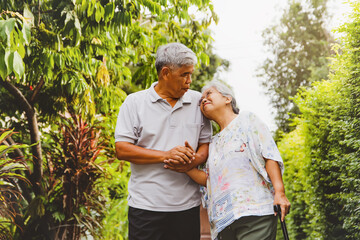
<point x="225" y="91"/>
<point x="174" y="55"/>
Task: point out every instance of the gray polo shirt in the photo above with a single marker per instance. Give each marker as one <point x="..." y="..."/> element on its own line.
<point x="148" y="121"/>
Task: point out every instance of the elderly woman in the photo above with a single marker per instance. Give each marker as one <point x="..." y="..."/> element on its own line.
<point x="243" y="175"/>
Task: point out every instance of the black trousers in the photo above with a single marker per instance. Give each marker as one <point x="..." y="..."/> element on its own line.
<point x="151" y="225"/>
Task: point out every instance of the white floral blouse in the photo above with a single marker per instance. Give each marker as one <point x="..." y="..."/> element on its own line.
<point x="238" y="184"/>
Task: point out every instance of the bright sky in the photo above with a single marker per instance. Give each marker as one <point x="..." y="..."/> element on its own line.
<point x="238" y="39"/>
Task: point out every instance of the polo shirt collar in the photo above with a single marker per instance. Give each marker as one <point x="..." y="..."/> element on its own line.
<point x="153" y="94"/>
<point x="155" y="97"/>
<point x="186" y="98"/>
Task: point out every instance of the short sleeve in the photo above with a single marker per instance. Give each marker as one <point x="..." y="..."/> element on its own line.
<point x="206" y="130"/>
<point x="262" y="146"/>
<point x="125" y="130"/>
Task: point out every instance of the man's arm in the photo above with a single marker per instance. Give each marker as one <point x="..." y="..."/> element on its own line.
<point x="139" y="155"/>
<point x="200" y="157"/>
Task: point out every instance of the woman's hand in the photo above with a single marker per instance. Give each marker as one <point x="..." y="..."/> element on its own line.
<point x="178" y="166"/>
<point x="274" y="172"/>
<point x="281" y="199"/>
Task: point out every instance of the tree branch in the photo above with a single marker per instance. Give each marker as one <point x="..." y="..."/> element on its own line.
<point x="37" y="90"/>
<point x="39" y="13"/>
<point x="36" y="175"/>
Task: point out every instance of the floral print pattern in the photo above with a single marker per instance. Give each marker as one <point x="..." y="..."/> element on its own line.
<point x="238" y="184"/>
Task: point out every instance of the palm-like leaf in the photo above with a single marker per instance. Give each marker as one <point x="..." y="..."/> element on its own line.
<point x="9" y="178"/>
<point x="72" y="159"/>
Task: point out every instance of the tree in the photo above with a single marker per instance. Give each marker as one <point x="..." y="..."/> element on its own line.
<point x="299" y="47"/>
<point x="62" y="58"/>
<point x="312" y="155"/>
<point x="322" y="153"/>
<point x="349" y="64"/>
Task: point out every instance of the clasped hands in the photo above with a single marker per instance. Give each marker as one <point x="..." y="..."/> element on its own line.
<point x="180" y="158"/>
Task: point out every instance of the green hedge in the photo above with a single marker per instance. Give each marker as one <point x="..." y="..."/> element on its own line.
<point x="322" y="154"/>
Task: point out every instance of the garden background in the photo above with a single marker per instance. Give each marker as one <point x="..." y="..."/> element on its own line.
<point x="66" y="67"/>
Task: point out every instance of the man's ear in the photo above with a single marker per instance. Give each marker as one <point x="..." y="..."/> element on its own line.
<point x="165" y="71"/>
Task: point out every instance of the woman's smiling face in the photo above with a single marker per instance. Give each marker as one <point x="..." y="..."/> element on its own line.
<point x="211" y="100"/>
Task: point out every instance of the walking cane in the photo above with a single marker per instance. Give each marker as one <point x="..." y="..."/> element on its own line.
<point x="277" y="209"/>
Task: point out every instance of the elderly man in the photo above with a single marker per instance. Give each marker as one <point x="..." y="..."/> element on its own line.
<point x="160" y="123"/>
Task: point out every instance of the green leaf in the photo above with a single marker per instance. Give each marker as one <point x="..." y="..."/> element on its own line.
<point x="49" y="72"/>
<point x="8" y="61"/>
<point x="21" y="50"/>
<point x="91" y="7"/>
<point x="5" y="148"/>
<point x="78" y="32"/>
<point x="8" y="28"/>
<point x="98" y="14"/>
<point x="18" y="64"/>
<point x="5" y="183"/>
<point x="51" y="60"/>
<point x="83" y="5"/>
<point x="12" y="174"/>
<point x="59" y="216"/>
<point x="58" y="60"/>
<point x="2" y="149"/>
<point x="26" y="31"/>
<point x="109" y="11"/>
<point x="28" y="16"/>
<point x="3" y="67"/>
<point x="69" y="17"/>
<point x="204" y="58"/>
<point x="3" y="35"/>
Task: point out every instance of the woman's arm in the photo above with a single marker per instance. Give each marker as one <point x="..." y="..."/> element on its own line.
<point x="274" y="172"/>
<point x="197" y="176"/>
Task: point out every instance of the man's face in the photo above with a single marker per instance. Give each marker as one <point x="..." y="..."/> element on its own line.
<point x="179" y="80"/>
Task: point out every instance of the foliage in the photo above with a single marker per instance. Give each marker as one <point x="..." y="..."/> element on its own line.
<point x="115" y="189"/>
<point x="316" y="210"/>
<point x="73" y="172"/>
<point x="10" y="194"/>
<point x="72" y="204"/>
<point x="322" y="153"/>
<point x="205" y="73"/>
<point x="351" y="130"/>
<point x="298" y="187"/>
<point x="299" y="46"/>
<point x="81" y="57"/>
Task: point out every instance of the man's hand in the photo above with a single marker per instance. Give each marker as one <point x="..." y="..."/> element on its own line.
<point x="181" y="165"/>
<point x="180" y="155"/>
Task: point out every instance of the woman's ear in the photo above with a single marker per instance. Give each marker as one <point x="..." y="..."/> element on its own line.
<point x="228" y="99"/>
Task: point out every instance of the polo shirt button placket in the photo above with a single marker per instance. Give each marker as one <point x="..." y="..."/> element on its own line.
<point x="172" y="121"/>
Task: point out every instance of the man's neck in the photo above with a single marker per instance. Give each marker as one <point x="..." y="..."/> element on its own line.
<point x="165" y="95"/>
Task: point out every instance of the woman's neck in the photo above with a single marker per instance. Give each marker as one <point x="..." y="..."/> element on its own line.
<point x="225" y="118"/>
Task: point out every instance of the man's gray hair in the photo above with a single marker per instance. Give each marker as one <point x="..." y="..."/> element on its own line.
<point x="225" y="91"/>
<point x="174" y="55"/>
